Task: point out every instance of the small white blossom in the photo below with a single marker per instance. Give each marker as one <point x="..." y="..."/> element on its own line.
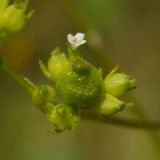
<point x="76" y="40"/>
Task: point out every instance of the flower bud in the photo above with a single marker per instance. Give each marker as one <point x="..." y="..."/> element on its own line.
<point x="13" y="17"/>
<point x="111" y="105"/>
<point x="80" y="90"/>
<point x="43" y="94"/>
<point x="118" y="83"/>
<point x="58" y="64"/>
<point x="61" y="117"/>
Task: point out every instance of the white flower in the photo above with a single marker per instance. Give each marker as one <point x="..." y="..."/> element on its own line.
<point x="76" y="40"/>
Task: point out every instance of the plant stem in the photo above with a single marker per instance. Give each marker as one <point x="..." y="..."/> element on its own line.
<point x="124" y="122"/>
<point x="21" y="80"/>
<point x="137" y="124"/>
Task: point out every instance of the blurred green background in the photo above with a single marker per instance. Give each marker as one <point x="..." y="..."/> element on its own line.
<point x="124" y="32"/>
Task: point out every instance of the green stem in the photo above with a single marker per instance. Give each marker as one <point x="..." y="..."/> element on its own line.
<point x="123" y="122"/>
<point x="137" y="124"/>
<point x="21" y="80"/>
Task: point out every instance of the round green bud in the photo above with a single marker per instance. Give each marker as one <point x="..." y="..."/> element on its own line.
<point x="110" y="105"/>
<point x="118" y="83"/>
<point x="80" y="90"/>
<point x="58" y="64"/>
<point x="13" y="19"/>
<point x="43" y="94"/>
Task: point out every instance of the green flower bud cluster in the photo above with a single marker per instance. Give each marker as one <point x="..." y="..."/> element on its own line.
<point x="77" y="82"/>
<point x="13" y="17"/>
<point x="79" y="86"/>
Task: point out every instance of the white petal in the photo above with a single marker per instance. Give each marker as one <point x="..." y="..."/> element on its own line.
<point x="80" y="36"/>
<point x="70" y="38"/>
<point x="82" y="42"/>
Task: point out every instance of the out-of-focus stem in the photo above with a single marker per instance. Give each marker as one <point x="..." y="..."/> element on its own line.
<point x="21" y="80"/>
<point x="123" y="122"/>
<point x="137" y="124"/>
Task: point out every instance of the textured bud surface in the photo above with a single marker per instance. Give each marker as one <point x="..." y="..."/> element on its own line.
<point x="80" y="90"/>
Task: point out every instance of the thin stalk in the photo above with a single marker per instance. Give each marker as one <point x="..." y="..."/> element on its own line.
<point x="123" y="122"/>
<point x="21" y="80"/>
<point x="131" y="123"/>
